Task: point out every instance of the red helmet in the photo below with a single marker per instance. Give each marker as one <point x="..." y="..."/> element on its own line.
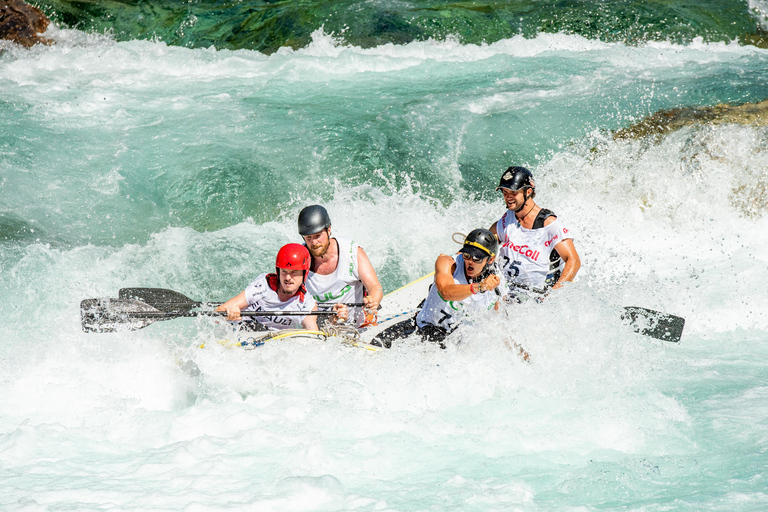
<point x="293" y="257"/>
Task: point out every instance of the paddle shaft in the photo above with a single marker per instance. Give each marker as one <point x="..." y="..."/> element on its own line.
<point x="644" y="321"/>
<point x="263" y="314"/>
<point x="110" y="315"/>
<point x="216" y="304"/>
<point x="163" y="299"/>
<point x="540" y="291"/>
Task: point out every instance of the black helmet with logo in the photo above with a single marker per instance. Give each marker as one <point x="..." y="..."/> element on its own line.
<point x="516" y="178"/>
<point x="313" y="219"/>
<point x="480" y="243"/>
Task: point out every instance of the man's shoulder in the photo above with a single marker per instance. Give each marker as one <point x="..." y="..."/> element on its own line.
<point x="444" y="263"/>
<point x="347" y="245"/>
<point x="261" y="280"/>
<point x="505" y="220"/>
<point x="344" y="240"/>
<point x="549" y="220"/>
<point x="309" y="302"/>
<point x="257" y="287"/>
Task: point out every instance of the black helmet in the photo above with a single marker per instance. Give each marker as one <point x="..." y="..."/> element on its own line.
<point x="516" y="178"/>
<point x="480" y="243"/>
<point x="313" y="219"/>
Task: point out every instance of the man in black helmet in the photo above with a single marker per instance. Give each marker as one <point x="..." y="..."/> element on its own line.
<point x="341" y="271"/>
<point x="464" y="284"/>
<point x="537" y="250"/>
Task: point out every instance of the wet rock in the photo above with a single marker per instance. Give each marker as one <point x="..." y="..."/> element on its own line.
<point x="665" y="121"/>
<point x="759" y="39"/>
<point x="751" y="199"/>
<point x="750" y="196"/>
<point x="21" y="23"/>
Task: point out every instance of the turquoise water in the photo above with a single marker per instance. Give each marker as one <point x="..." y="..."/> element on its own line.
<point x="135" y="163"/>
<point x="267" y="25"/>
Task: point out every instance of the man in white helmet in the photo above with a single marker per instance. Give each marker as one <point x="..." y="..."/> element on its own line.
<point x="536" y="249"/>
<point x="340" y="270"/>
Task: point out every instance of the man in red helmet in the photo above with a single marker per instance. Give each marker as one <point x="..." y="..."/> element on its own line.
<point x="282" y="291"/>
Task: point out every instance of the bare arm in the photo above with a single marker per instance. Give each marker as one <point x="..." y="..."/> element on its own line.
<point x="310" y="322"/>
<point x="370" y="281"/>
<point x="570" y="257"/>
<point x="233" y="306"/>
<point x="567" y="252"/>
<point x="445" y="266"/>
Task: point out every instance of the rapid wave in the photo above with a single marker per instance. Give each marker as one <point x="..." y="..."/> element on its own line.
<point x="143" y="164"/>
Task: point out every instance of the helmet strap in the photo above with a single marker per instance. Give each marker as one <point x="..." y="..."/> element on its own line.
<point x="487" y="270"/>
<point x="525" y="201"/>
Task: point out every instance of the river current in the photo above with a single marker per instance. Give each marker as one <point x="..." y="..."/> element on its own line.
<point x="139" y="163"/>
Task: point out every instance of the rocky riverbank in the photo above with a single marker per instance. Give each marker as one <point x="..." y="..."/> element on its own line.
<point x="22" y="23"/>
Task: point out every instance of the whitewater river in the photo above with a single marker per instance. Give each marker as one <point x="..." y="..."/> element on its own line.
<point x="141" y="164"/>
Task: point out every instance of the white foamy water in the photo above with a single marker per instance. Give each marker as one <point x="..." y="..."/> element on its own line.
<point x="139" y="164"/>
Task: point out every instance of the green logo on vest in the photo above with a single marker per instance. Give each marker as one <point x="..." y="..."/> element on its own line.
<point x="329" y="296"/>
<point x="351" y="260"/>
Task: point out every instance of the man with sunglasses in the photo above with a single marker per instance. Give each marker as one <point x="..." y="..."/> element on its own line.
<point x="464" y="284"/>
<point x="537" y="250"/>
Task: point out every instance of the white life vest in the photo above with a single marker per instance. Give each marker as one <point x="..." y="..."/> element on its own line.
<point x="342" y="285"/>
<point x="448" y="313"/>
<point x="525" y="255"/>
<point x="262" y="296"/>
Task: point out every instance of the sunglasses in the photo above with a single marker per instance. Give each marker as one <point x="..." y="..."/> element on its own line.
<point x="473" y="259"/>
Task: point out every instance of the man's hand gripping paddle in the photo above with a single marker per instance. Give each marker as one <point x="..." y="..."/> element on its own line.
<point x="130" y="314"/>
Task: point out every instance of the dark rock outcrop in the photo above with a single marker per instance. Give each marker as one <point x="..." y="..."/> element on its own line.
<point x="22" y="23"/>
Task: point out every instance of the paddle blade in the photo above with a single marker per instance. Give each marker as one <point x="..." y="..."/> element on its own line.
<point x="654" y="323"/>
<point x="113" y="315"/>
<point x="160" y="298"/>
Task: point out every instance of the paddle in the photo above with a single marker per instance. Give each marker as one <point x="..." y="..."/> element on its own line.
<point x="655" y="324"/>
<point x="111" y="315"/>
<point x="647" y="322"/>
<point x="170" y="300"/>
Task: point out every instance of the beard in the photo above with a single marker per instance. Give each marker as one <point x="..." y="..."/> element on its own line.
<point x="320" y="251"/>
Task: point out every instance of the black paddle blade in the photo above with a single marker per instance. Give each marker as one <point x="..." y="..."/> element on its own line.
<point x="113" y="315"/>
<point x="654" y="323"/>
<point x="160" y="298"/>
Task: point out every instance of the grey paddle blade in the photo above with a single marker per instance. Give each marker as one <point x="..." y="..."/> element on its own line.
<point x="654" y="323"/>
<point x="160" y="298"/>
<point x="112" y="315"/>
